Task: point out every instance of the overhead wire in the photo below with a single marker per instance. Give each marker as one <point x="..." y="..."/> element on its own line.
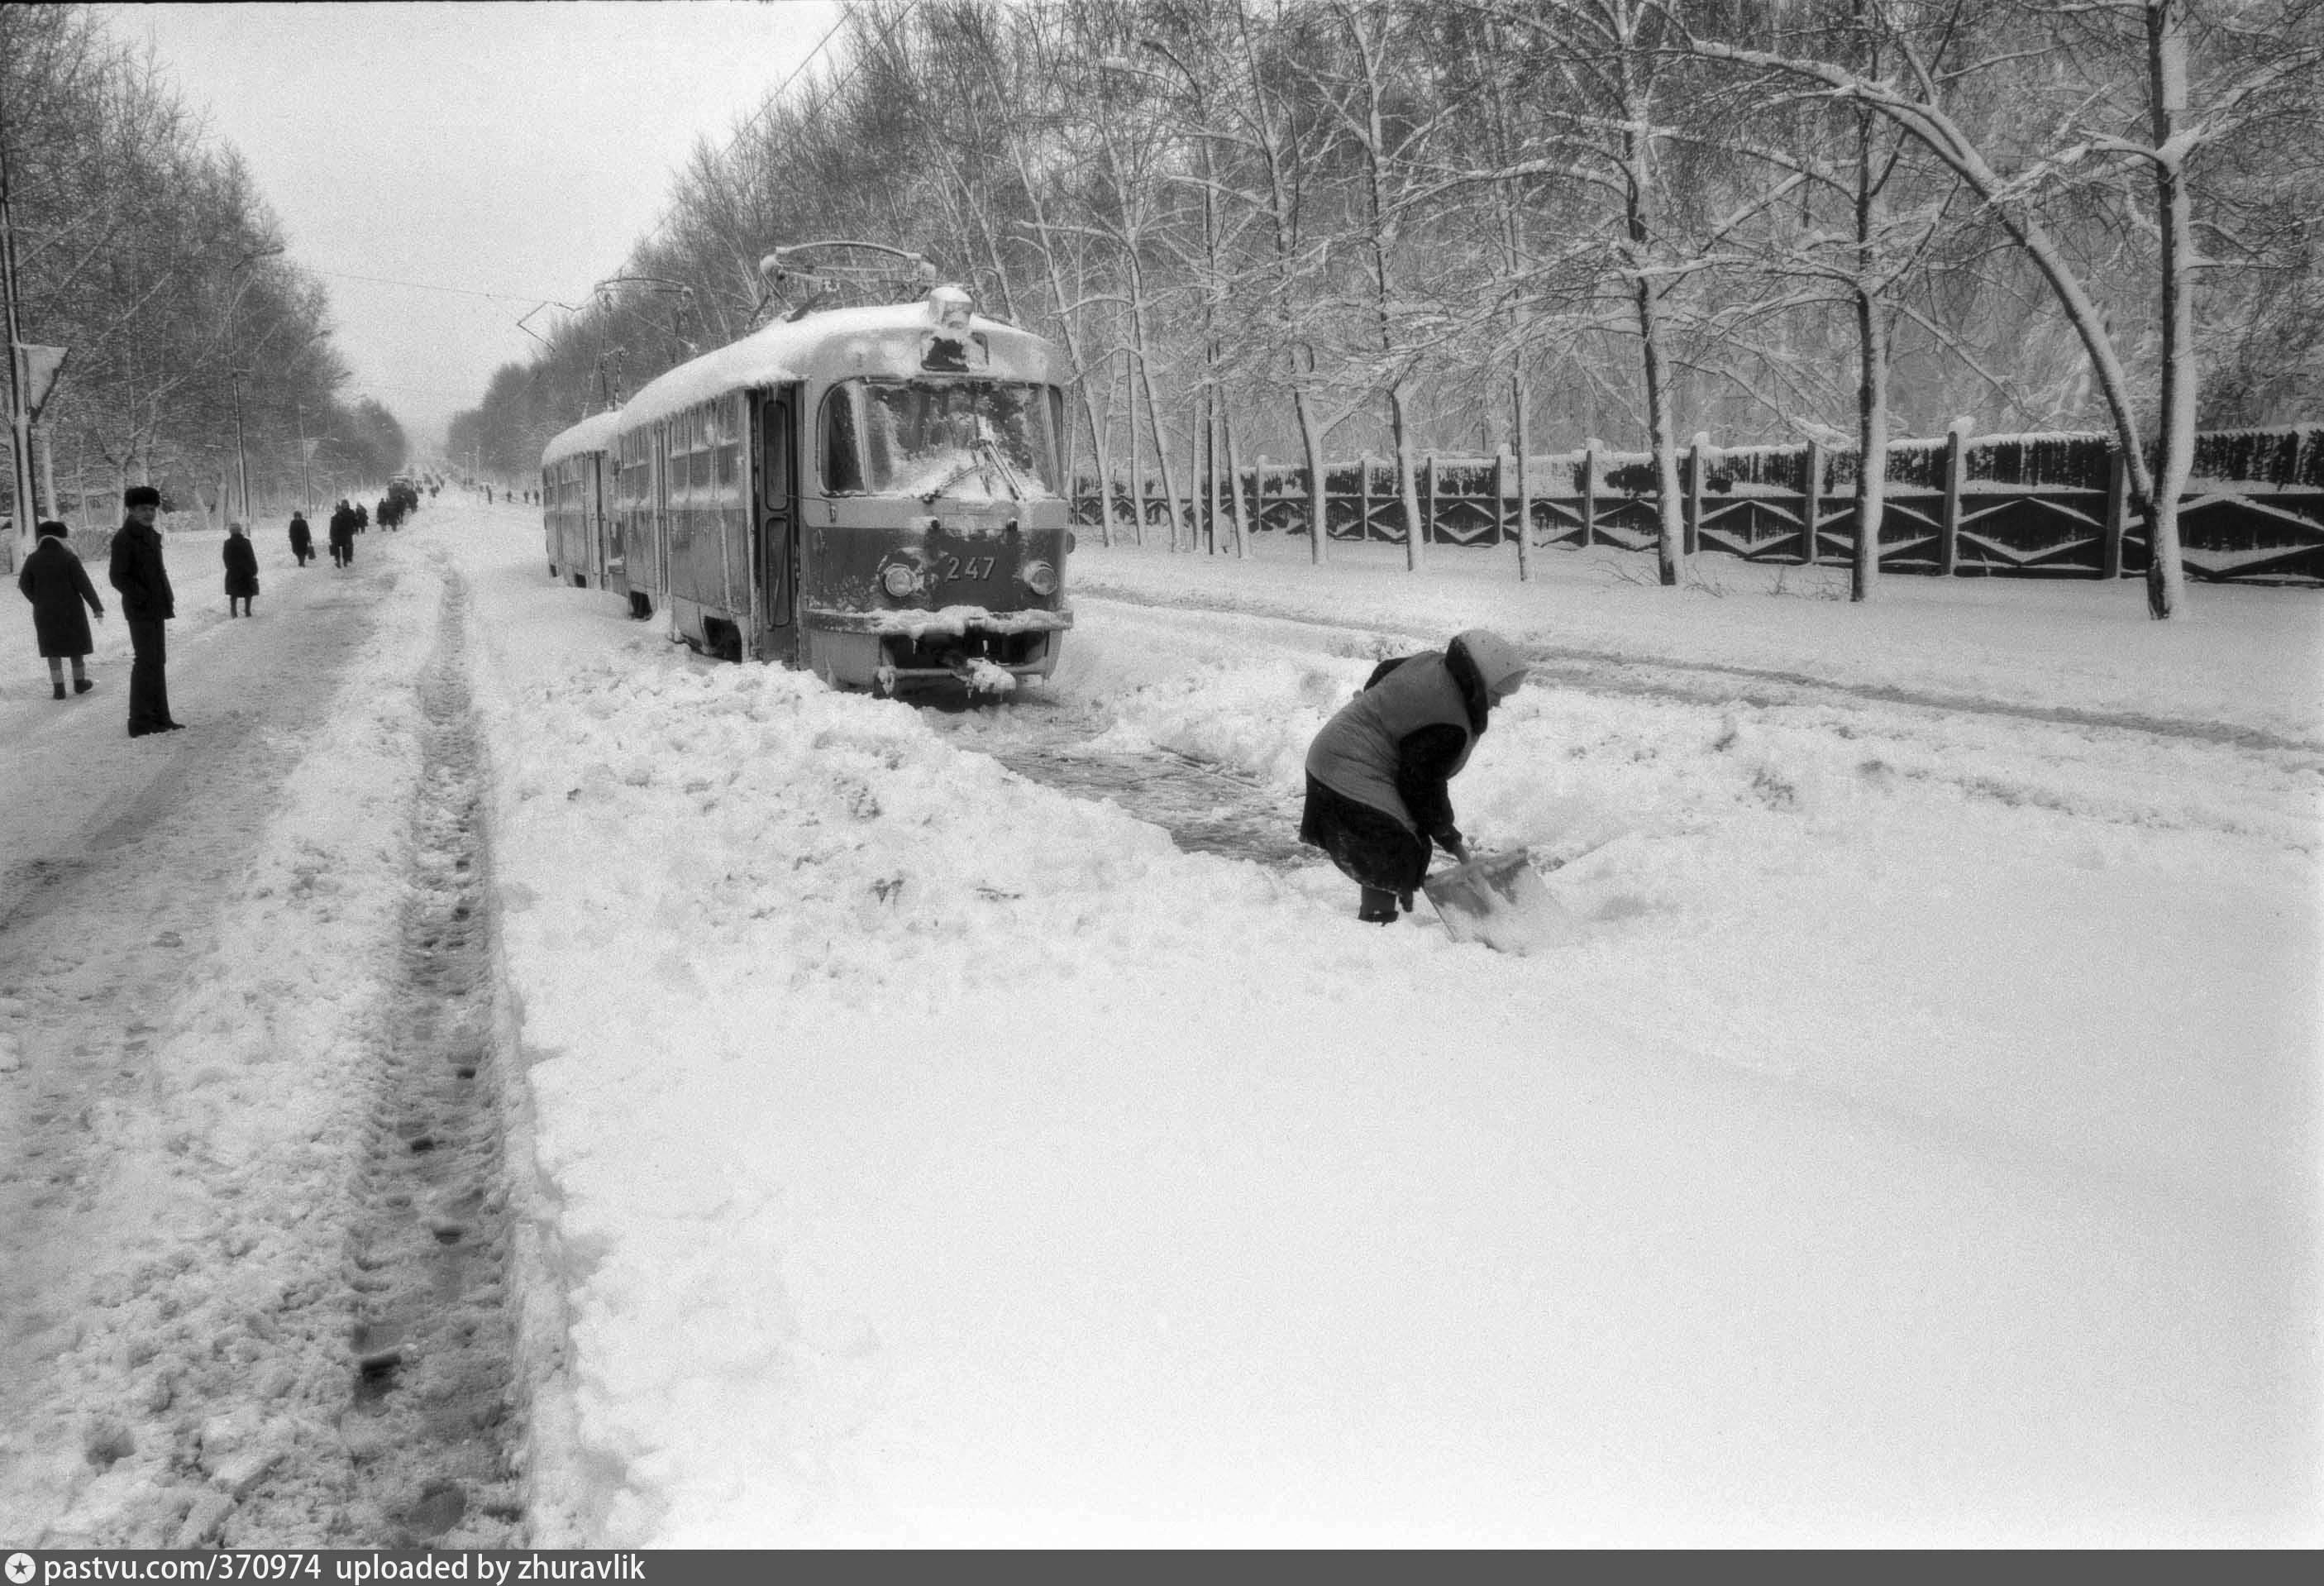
<point x="766" y="103"/>
<point x="540" y="301"/>
<point x="460" y="292"/>
<point x="772" y="97"/>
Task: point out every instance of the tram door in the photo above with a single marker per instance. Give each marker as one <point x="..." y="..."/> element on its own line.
<point x="593" y="468"/>
<point x="774" y="546"/>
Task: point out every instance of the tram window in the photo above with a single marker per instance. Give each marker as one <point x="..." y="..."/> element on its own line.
<point x="924" y="435"/>
<point x="842" y="463"/>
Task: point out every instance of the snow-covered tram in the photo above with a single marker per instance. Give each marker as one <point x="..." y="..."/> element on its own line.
<point x="876" y="493"/>
<point x="576" y="478"/>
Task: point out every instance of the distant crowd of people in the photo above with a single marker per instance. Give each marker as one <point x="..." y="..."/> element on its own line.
<point x="63" y="598"/>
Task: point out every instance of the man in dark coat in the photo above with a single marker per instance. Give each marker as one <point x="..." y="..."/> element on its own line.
<point x="57" y="586"/>
<point x="302" y="538"/>
<point x="241" y="571"/>
<point x="1378" y="774"/>
<point x="343" y="534"/>
<point x="147" y="602"/>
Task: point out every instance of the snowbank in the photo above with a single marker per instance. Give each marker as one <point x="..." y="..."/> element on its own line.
<point x="1918" y="1148"/>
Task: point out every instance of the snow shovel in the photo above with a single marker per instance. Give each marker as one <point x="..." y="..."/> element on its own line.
<point x="1497" y="899"/>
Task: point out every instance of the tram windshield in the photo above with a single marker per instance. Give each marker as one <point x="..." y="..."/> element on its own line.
<point x="959" y="437"/>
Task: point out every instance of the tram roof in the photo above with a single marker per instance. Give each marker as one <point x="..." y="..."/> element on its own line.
<point x="835" y="344"/>
<point x="593" y="433"/>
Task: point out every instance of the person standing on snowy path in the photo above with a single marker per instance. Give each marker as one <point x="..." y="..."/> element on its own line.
<point x="302" y="538"/>
<point x="342" y="535"/>
<point x="1378" y="774"/>
<point x="241" y="571"/>
<point x="57" y="586"/>
<point x="147" y="602"/>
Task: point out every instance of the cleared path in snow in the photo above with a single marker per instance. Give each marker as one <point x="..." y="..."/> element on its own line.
<point x="1206" y="807"/>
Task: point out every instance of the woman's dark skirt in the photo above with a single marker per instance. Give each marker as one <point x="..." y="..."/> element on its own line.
<point x="1370" y="846"/>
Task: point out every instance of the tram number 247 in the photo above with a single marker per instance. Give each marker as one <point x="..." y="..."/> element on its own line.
<point x="971" y="567"/>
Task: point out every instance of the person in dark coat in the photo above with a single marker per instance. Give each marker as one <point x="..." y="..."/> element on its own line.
<point x="57" y="586"/>
<point x="363" y="517"/>
<point x="147" y="602"/>
<point x="1378" y="774"/>
<point x="302" y="538"/>
<point x="343" y="534"/>
<point x="241" y="571"/>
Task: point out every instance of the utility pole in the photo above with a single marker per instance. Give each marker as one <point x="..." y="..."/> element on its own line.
<point x="241" y="458"/>
<point x="20" y="414"/>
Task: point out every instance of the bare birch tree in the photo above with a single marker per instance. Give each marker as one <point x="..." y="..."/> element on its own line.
<point x="1914" y="101"/>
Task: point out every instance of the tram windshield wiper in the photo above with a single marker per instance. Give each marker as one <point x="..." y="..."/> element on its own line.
<point x="982" y="454"/>
<point x="928" y="496"/>
<point x="1001" y="466"/>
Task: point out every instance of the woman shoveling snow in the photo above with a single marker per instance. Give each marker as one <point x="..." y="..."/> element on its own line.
<point x="1378" y="773"/>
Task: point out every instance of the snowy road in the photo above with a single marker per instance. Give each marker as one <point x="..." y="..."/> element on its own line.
<point x="199" y="933"/>
<point x="1920" y="1144"/>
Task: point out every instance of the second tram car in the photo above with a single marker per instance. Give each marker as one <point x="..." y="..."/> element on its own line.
<point x="576" y="489"/>
<point x="876" y="494"/>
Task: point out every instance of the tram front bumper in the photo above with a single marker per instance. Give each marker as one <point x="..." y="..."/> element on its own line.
<point x="884" y="648"/>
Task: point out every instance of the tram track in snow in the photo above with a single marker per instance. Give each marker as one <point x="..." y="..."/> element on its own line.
<point x="2160" y="771"/>
<point x="1205" y="807"/>
<point x="1719" y="682"/>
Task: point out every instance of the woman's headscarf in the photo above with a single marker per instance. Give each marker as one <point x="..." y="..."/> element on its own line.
<point x="1500" y="666"/>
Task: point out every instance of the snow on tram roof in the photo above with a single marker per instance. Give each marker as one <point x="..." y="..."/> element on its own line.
<point x="593" y="433"/>
<point x="835" y="341"/>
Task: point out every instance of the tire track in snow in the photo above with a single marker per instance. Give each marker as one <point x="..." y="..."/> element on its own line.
<point x="431" y="1410"/>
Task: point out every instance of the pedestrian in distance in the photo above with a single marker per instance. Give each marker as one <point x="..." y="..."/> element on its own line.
<point x="343" y="534"/>
<point x="1380" y="773"/>
<point x="363" y="517"/>
<point x="57" y="586"/>
<point x="241" y="571"/>
<point x="147" y="604"/>
<point x="302" y="538"/>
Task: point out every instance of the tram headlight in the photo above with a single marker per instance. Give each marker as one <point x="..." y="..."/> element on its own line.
<point x="901" y="580"/>
<point x="1040" y="578"/>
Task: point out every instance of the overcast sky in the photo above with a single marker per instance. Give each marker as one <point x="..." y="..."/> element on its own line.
<point x="507" y="149"/>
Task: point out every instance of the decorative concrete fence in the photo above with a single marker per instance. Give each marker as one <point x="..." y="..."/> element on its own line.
<point x="2000" y="505"/>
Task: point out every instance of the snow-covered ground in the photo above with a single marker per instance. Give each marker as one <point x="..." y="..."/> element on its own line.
<point x="1918" y="1144"/>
